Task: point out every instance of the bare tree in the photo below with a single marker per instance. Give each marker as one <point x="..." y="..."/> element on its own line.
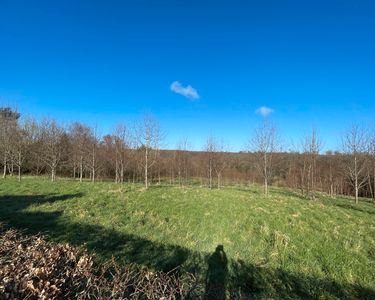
<point x="80" y="135"/>
<point x="311" y="146"/>
<point x="8" y="124"/>
<point x="371" y="168"/>
<point x="149" y="137"/>
<point x="22" y="138"/>
<point x="92" y="160"/>
<point x="123" y="144"/>
<point x="219" y="161"/>
<point x="52" y="135"/>
<point x="210" y="149"/>
<point x="355" y="147"/>
<point x="181" y="160"/>
<point x="265" y="143"/>
<point x="35" y="153"/>
<point x="41" y="148"/>
<point x="332" y="163"/>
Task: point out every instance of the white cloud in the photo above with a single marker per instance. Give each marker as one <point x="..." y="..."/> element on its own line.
<point x="264" y="111"/>
<point x="186" y="91"/>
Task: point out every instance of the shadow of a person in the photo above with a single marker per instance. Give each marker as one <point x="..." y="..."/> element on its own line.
<point x="217" y="274"/>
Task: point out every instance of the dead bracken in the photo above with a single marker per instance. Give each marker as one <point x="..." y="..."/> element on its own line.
<point x="33" y="268"/>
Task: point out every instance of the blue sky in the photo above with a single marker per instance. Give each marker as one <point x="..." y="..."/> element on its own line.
<point x="311" y="62"/>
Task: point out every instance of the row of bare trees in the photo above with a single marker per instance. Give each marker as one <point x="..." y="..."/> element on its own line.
<point x="46" y="147"/>
<point x="133" y="154"/>
<point x="355" y="164"/>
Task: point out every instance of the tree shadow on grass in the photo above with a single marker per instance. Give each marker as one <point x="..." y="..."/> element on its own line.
<point x="286" y="192"/>
<point x="105" y="242"/>
<point x="216" y="274"/>
<point x="355" y="207"/>
<point x="261" y="283"/>
<point x="16" y="203"/>
<point x="250" y="190"/>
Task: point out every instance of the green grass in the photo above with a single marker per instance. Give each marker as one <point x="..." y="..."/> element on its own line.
<point x="282" y="246"/>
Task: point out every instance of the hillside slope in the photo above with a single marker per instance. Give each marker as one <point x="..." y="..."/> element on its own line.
<point x="234" y="240"/>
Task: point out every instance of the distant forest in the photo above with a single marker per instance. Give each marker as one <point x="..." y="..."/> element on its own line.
<point x="134" y="154"/>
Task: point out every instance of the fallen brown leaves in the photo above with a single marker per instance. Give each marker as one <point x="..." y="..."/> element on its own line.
<point x="32" y="268"/>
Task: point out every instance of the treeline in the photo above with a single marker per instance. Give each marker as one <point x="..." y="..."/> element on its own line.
<point x="134" y="154"/>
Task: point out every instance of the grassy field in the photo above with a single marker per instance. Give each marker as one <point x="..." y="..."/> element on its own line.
<point x="236" y="241"/>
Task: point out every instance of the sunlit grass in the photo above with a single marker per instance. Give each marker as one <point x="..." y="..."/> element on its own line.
<point x="294" y="247"/>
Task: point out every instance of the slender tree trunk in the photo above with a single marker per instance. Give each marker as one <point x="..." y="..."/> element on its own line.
<point x="93" y="166"/>
<point x="370" y="186"/>
<point x="308" y="181"/>
<point x="81" y="169"/>
<point x="313" y="179"/>
<point x="116" y="170"/>
<point x="11" y="168"/>
<point x="122" y="172"/>
<point x="265" y="186"/>
<point x="265" y="175"/>
<point x="356" y="189"/>
<point x="19" y="172"/>
<point x="356" y="180"/>
<point x="93" y="174"/>
<point x="38" y="165"/>
<point x="330" y="181"/>
<point x="5" y="166"/>
<point x="186" y="174"/>
<point x="19" y="165"/>
<point x="53" y="173"/>
<point x="146" y="168"/>
<point x="210" y="175"/>
<point x="356" y="195"/>
<point x="159" y="176"/>
<point x="170" y="176"/>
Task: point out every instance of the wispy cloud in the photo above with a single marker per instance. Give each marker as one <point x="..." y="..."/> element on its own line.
<point x="186" y="91"/>
<point x="264" y="111"/>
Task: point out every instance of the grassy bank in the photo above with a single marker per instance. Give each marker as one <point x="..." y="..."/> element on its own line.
<point x="234" y="240"/>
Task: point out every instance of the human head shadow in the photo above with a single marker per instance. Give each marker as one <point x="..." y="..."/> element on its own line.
<point x="217" y="274"/>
